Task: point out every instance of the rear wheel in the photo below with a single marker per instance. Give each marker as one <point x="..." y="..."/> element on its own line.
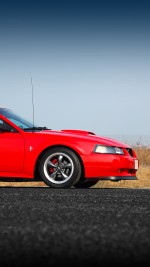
<point x="60" y="168"/>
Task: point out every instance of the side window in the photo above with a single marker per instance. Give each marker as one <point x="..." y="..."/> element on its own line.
<point x="5" y="127"/>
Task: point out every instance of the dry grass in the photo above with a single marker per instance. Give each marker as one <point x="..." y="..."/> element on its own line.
<point x="144" y="155"/>
<point x="143" y="175"/>
<point x="22" y="184"/>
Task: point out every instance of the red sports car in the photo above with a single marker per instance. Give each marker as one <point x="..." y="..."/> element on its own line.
<point x="61" y="159"/>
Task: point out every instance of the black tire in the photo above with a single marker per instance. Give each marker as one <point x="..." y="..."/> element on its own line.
<point x="60" y="168"/>
<point x="85" y="184"/>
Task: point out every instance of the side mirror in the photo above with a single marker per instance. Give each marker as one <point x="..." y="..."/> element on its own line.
<point x="2" y="130"/>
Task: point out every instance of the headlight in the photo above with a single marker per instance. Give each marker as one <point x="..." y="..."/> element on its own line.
<point x="108" y="150"/>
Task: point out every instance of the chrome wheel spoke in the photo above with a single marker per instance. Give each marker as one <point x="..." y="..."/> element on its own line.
<point x="67" y="166"/>
<point x="53" y="175"/>
<point x="63" y="174"/>
<point x="50" y="164"/>
<point x="60" y="157"/>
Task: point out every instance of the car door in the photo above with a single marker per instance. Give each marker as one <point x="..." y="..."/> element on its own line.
<point x="11" y="149"/>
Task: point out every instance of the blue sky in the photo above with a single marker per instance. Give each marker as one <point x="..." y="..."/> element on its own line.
<point x="89" y="62"/>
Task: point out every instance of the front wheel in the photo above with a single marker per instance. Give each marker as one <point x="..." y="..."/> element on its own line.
<point x="60" y="168"/>
<point x="85" y="184"/>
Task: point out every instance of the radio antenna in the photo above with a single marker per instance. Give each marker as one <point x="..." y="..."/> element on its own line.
<point x="32" y="101"/>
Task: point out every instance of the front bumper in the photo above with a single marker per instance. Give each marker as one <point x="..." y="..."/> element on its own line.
<point x="112" y="167"/>
<point x="113" y="178"/>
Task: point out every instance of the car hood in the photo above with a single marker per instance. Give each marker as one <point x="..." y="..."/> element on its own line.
<point x="89" y="136"/>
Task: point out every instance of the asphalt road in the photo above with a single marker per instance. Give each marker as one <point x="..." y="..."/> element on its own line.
<point x="74" y="227"/>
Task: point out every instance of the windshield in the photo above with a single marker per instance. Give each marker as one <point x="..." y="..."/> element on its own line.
<point x="17" y="120"/>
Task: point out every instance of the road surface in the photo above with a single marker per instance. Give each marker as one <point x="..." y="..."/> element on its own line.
<point x="74" y="227"/>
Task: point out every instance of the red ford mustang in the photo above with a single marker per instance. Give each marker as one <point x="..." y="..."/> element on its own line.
<point x="62" y="158"/>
